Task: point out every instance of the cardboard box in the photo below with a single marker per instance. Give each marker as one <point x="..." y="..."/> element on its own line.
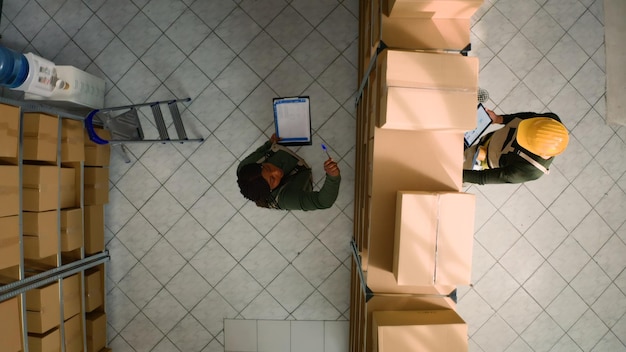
<point x="433" y="240"/>
<point x="425" y="34"/>
<point x="72" y="140"/>
<point x="9" y="242"/>
<point x="10" y="326"/>
<point x="71" y="296"/>
<point x="49" y="342"/>
<point x="97" y="154"/>
<point x="431" y="8"/>
<point x="41" y="132"/>
<point x="427" y="91"/>
<point x="428" y="161"/>
<point x="41" y="187"/>
<point x="10" y="186"/>
<point x="429" y="330"/>
<point x="69" y="192"/>
<point x="94" y="289"/>
<point x="96" y="331"/>
<point x="74" y="334"/>
<point x="9" y="130"/>
<point x="71" y="229"/>
<point x="43" y="308"/>
<point x="40" y="234"/>
<point x="96" y="185"/>
<point x="94" y="229"/>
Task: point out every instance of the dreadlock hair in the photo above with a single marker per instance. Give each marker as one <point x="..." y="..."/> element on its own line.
<point x="252" y="185"/>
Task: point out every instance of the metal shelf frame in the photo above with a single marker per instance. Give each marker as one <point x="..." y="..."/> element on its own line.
<point x="62" y="270"/>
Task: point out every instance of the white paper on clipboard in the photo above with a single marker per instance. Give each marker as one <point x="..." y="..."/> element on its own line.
<point x="292" y="120"/>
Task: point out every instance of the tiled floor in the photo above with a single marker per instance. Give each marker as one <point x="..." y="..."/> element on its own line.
<point x="188" y="251"/>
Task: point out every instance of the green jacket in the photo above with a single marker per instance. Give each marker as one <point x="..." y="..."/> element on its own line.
<point x="511" y="167"/>
<point x="295" y="191"/>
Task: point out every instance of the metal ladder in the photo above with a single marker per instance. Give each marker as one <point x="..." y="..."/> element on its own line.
<point x="126" y="126"/>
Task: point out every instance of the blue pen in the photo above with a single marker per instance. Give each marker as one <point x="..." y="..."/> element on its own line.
<point x="326" y="150"/>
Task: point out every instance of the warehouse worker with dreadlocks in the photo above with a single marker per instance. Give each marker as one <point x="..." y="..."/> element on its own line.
<point x="275" y="177"/>
<point x="522" y="150"/>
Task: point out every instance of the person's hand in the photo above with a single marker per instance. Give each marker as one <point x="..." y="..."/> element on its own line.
<point x="495" y="117"/>
<point x="331" y="168"/>
<point x="274" y="138"/>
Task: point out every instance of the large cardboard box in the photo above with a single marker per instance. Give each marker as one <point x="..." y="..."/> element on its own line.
<point x="96" y="185"/>
<point x="9" y="242"/>
<point x="41" y="187"/>
<point x="41" y="134"/>
<point x="409" y="331"/>
<point x="74" y="334"/>
<point x="428" y="161"/>
<point x="72" y="140"/>
<point x="96" y="331"/>
<point x="40" y="234"/>
<point x="94" y="229"/>
<point x="10" y="186"/>
<point x="94" y="290"/>
<point x="10" y="326"/>
<point x="71" y="296"/>
<point x="43" y="308"/>
<point x="434" y="233"/>
<point x="431" y="8"/>
<point x="98" y="154"/>
<point x="71" y="229"/>
<point x="9" y="130"/>
<point x="425" y="34"/>
<point x="427" y="91"/>
<point x="49" y="342"/>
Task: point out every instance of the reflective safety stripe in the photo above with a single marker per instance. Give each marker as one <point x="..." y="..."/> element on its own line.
<point x="533" y="162"/>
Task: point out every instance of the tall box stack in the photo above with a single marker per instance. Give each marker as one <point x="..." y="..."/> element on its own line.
<point x="97" y="159"/>
<point x="9" y="184"/>
<point x="42" y="215"/>
<point x="414" y="227"/>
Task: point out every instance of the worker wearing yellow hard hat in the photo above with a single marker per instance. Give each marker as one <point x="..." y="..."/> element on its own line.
<point x="522" y="150"/>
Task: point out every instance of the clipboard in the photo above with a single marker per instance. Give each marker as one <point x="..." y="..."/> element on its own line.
<point x="483" y="121"/>
<point x="292" y="120"/>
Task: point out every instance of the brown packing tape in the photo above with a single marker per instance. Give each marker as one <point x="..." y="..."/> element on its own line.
<point x="41" y="137"/>
<point x="8" y="131"/>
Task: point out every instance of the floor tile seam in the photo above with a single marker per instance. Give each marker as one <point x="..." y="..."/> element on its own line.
<point x="19" y="14"/>
<point x="519" y="27"/>
<point x="17" y="11"/>
<point x="569" y="232"/>
<point x="165" y="333"/>
<point x="225" y="16"/>
<point x="557" y="21"/>
<point x="139" y="311"/>
<point x="591" y="306"/>
<point x="329" y="275"/>
<point x="120" y="334"/>
<point x="129" y="202"/>
<point x="580" y="319"/>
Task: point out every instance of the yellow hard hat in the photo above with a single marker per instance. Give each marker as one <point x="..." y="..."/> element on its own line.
<point x="542" y="136"/>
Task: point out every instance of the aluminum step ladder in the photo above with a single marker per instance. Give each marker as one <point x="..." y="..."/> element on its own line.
<point x="123" y="122"/>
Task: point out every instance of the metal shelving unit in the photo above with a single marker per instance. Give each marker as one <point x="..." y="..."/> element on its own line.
<point x="75" y="262"/>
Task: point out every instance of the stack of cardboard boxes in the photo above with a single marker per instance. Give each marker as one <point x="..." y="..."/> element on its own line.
<point x="52" y="232"/>
<point x="413" y="226"/>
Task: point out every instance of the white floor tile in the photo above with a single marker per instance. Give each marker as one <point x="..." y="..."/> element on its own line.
<point x="240" y="335"/>
<point x="274" y="336"/>
<point x="307" y="336"/>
